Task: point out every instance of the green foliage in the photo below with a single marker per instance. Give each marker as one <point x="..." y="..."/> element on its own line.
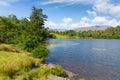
<point x="39" y="52"/>
<point x="110" y="33"/>
<point x="58" y="71"/>
<point x="37" y="17"/>
<point x="25" y="33"/>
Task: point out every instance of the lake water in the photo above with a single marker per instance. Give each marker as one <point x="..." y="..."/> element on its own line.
<point x="93" y="59"/>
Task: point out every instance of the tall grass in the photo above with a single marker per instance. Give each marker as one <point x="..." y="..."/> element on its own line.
<point x="9" y="48"/>
<point x="12" y="62"/>
<point x="18" y="66"/>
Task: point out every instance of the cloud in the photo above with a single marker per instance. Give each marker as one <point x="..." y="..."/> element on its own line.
<point x="99" y="20"/>
<point x="107" y="8"/>
<point x="67" y="20"/>
<point x="47" y="2"/>
<point x="84" y="19"/>
<point x="68" y="23"/>
<point x="93" y="13"/>
<point x="67" y="1"/>
<point x="98" y="10"/>
<point x="84" y="22"/>
<point x="105" y="21"/>
<point x="115" y="10"/>
<point x="98" y="6"/>
<point x="7" y="2"/>
<point x="51" y="24"/>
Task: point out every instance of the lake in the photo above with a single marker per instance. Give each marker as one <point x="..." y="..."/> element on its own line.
<point x="93" y="59"/>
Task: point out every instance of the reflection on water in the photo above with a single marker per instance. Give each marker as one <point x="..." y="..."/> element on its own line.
<point x="92" y="59"/>
<point x="98" y="49"/>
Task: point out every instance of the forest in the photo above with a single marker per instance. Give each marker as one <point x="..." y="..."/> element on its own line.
<point x="109" y="33"/>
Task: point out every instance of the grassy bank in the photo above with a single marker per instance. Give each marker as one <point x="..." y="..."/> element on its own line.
<point x="19" y="65"/>
<point x="63" y="36"/>
<point x="60" y="35"/>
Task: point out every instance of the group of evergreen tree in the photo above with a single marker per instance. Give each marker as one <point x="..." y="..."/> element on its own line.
<point x="26" y="32"/>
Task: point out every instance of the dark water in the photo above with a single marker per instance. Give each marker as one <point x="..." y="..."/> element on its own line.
<point x="93" y="59"/>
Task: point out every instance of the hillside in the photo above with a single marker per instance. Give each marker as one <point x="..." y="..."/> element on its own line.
<point x="93" y="28"/>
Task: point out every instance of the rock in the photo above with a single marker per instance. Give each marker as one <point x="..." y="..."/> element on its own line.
<point x="52" y="77"/>
<point x="70" y="74"/>
<point x="50" y="65"/>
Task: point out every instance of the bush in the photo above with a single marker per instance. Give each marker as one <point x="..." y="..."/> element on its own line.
<point x="58" y="71"/>
<point x="40" y="52"/>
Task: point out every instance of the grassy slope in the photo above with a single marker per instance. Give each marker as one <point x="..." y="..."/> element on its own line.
<point x="60" y="36"/>
<point x="63" y="36"/>
<point x="17" y="65"/>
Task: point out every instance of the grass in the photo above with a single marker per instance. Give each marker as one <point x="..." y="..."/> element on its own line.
<point x="14" y="62"/>
<point x="9" y="48"/>
<point x="63" y="36"/>
<point x="19" y="66"/>
<point x="60" y="36"/>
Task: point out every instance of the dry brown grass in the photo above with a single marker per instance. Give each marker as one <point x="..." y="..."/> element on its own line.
<point x="9" y="48"/>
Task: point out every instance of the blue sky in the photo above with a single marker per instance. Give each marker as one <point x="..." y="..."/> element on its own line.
<point x="67" y="14"/>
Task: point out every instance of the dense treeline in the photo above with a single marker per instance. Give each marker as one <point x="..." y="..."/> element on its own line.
<point x="26" y="33"/>
<point x="110" y="33"/>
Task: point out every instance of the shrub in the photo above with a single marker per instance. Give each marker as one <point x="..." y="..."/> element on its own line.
<point x="40" y="52"/>
<point x="58" y="71"/>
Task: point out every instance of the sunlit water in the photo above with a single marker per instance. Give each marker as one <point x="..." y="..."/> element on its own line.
<point x="93" y="59"/>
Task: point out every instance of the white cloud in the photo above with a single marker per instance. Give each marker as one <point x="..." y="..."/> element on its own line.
<point x="64" y="25"/>
<point x="113" y="22"/>
<point x="80" y="24"/>
<point x="115" y="10"/>
<point x="84" y="22"/>
<point x="67" y="20"/>
<point x="93" y="13"/>
<point x="107" y="8"/>
<point x="3" y="3"/>
<point x="51" y="24"/>
<point x="73" y="1"/>
<point x="105" y="21"/>
<point x="99" y="6"/>
<point x="85" y="19"/>
<point x="68" y="1"/>
<point x="99" y="20"/>
<point x="7" y="2"/>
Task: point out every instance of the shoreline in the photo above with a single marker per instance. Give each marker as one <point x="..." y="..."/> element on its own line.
<point x="68" y="75"/>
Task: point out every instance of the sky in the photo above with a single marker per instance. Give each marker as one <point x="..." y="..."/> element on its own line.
<point x="67" y="14"/>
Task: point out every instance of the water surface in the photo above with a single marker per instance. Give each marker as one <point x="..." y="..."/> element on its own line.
<point x="93" y="59"/>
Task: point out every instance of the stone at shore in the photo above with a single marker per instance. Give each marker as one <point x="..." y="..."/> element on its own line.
<point x="52" y="77"/>
<point x="67" y="75"/>
<point x="70" y="74"/>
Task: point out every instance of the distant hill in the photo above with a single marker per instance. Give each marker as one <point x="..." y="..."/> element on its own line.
<point x="59" y="30"/>
<point x="91" y="28"/>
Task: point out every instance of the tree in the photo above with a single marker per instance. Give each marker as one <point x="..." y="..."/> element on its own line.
<point x="37" y="17"/>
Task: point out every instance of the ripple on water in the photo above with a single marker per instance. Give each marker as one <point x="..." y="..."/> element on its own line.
<point x="90" y="58"/>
